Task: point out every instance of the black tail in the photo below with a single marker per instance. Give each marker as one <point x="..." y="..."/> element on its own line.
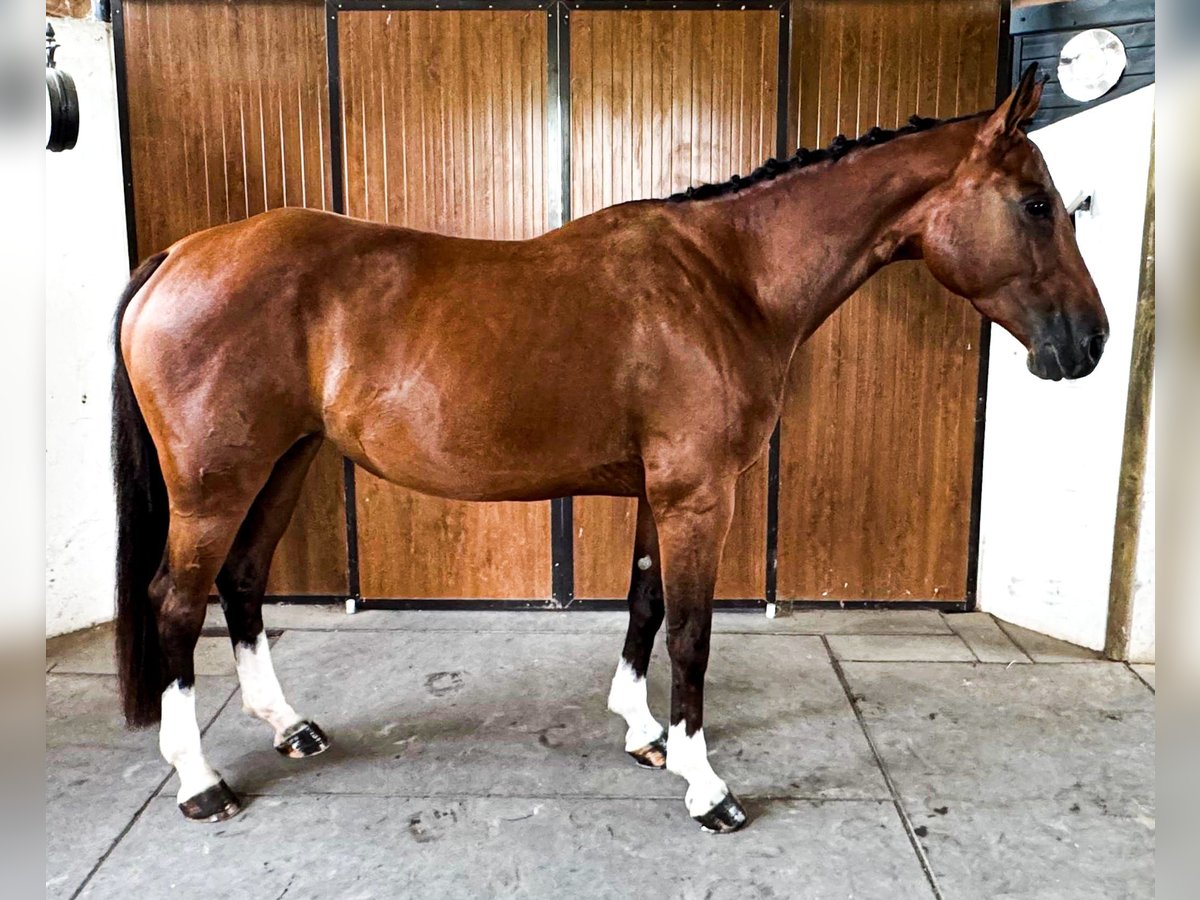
<point x="141" y="532"/>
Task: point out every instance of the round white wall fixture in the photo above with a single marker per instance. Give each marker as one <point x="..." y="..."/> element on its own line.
<point x="1090" y="64"/>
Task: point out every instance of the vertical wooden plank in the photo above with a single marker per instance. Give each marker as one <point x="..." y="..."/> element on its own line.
<point x="660" y="100"/>
<point x="224" y="101"/>
<point x="878" y="426"/>
<point x="435" y="126"/>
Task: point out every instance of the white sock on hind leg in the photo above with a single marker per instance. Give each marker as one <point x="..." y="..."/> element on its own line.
<point x="627" y="698"/>
<point x="261" y="693"/>
<point x="179" y="742"/>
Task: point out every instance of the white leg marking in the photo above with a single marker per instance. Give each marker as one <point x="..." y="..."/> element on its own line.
<point x="261" y="693"/>
<point x="179" y="742"/>
<point x="627" y="698"/>
<point x="645" y="563"/>
<point x="688" y="756"/>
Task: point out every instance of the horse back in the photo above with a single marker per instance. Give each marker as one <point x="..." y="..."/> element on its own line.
<point x="458" y="367"/>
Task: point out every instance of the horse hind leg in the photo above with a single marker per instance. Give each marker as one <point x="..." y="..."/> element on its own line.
<point x="196" y="544"/>
<point x="207" y="515"/>
<point x="645" y="738"/>
<point x="242" y="582"/>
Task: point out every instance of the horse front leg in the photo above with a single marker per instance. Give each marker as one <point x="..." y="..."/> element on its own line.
<point x="645" y="739"/>
<point x="692" y="525"/>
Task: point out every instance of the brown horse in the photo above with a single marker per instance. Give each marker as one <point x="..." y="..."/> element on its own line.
<point x="450" y="366"/>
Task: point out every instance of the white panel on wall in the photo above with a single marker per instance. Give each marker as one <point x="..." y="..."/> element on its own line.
<point x="86" y="269"/>
<point x="1052" y="452"/>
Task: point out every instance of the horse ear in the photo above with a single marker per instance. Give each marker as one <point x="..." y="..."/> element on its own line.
<point x="1005" y="123"/>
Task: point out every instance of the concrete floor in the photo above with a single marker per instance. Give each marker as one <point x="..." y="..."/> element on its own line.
<point x="880" y="755"/>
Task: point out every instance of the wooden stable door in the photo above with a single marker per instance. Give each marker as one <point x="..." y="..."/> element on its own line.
<point x="661" y="100"/>
<point x="444" y="120"/>
<point x="448" y="120"/>
<point x="228" y="117"/>
<point x="878" y="431"/>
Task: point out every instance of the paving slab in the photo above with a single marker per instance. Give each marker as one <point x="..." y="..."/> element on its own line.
<point x="98" y="774"/>
<point x="66" y="645"/>
<point x="360" y="847"/>
<point x="1040" y="850"/>
<point x="986" y="639"/>
<point x="90" y="652"/>
<point x="479" y="714"/>
<point x="1032" y="781"/>
<point x="900" y="648"/>
<point x="1042" y="648"/>
<point x="961" y="732"/>
<point x="581" y="621"/>
<point x="91" y="794"/>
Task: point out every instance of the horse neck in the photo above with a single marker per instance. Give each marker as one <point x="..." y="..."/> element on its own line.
<point x="814" y="235"/>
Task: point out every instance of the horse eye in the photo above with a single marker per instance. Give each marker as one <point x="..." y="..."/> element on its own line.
<point x="1039" y="209"/>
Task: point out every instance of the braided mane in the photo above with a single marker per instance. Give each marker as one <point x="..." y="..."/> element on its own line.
<point x="839" y="147"/>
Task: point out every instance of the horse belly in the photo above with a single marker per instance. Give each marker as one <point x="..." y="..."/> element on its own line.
<point x="514" y="445"/>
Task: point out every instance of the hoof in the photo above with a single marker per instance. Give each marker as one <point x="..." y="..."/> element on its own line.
<point x="214" y="804"/>
<point x="303" y="739"/>
<point x="727" y="816"/>
<point x="653" y="755"/>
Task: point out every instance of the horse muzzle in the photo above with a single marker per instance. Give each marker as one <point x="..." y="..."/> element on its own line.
<point x="1067" y="355"/>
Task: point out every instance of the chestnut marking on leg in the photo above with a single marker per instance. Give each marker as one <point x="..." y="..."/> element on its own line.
<point x="263" y="697"/>
<point x="202" y="794"/>
<point x="627" y="698"/>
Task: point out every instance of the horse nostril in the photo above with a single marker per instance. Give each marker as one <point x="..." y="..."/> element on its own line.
<point x="1095" y="346"/>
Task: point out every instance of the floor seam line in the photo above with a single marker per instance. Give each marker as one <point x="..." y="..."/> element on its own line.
<point x="120" y="837"/>
<point x="615" y="631"/>
<point x="967" y="644"/>
<point x="979" y="662"/>
<point x="1012" y="637"/>
<point x="141" y="809"/>
<point x="1012" y="640"/>
<point x="958" y="634"/>
<point x="1138" y="676"/>
<point x="113" y="674"/>
<point x="664" y="798"/>
<point x="898" y="804"/>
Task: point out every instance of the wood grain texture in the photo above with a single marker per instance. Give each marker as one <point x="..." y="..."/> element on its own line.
<point x="444" y="122"/>
<point x="662" y="100"/>
<point x="878" y="428"/>
<point x="228" y="118"/>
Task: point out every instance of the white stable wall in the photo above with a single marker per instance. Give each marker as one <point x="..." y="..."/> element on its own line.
<point x="1052" y="452"/>
<point x="86" y="269"/>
